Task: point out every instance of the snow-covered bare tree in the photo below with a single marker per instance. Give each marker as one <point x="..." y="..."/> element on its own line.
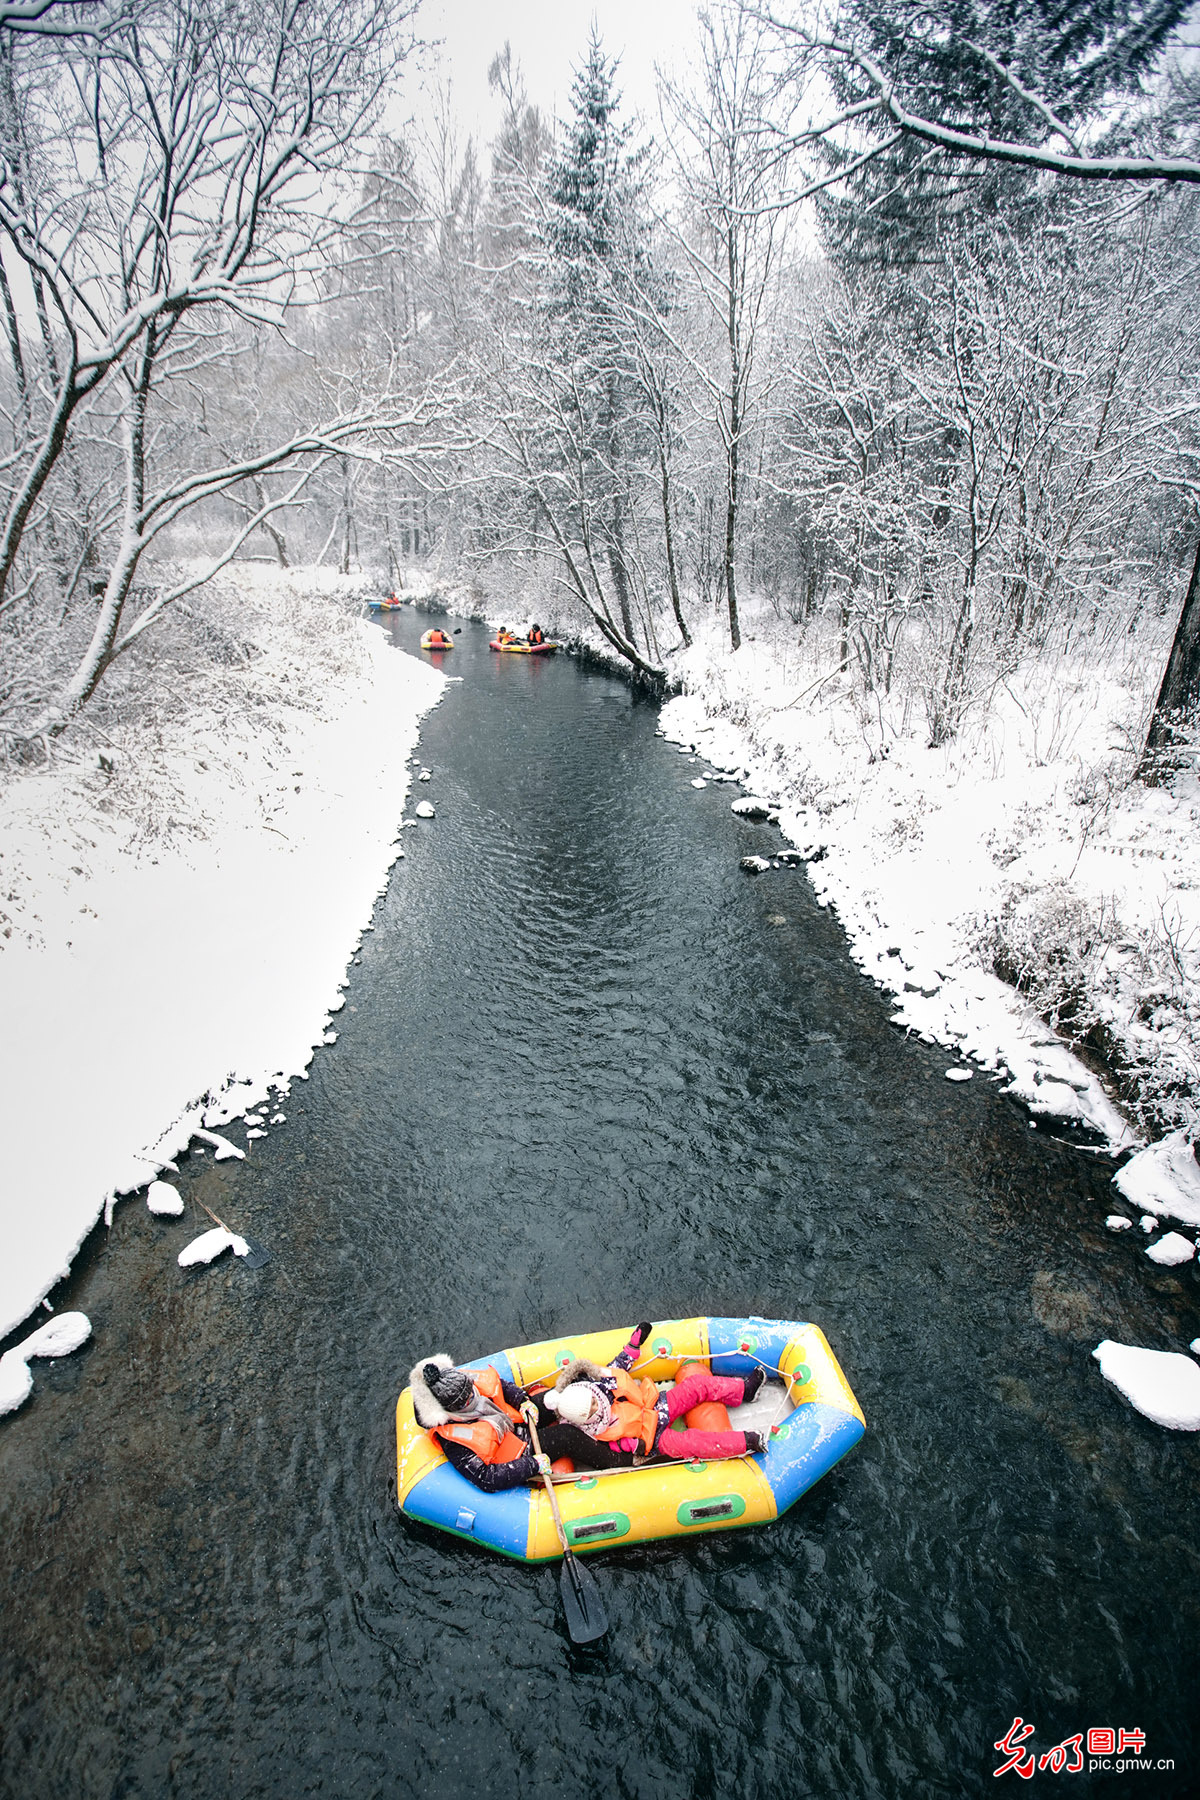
<point x="725" y="134"/>
<point x="1002" y="453"/>
<point x="172" y="175"/>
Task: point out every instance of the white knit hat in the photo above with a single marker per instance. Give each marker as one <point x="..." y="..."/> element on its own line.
<point x="573" y="1403"/>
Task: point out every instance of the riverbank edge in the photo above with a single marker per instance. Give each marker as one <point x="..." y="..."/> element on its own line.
<point x="145" y="999"/>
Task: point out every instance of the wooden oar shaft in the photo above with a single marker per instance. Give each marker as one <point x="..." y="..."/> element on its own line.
<point x="212" y="1215"/>
<point x="531" y="1420"/>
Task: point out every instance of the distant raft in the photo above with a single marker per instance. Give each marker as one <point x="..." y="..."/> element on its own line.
<point x="391" y="604"/>
<point x="806" y="1409"/>
<point x="437" y="639"/>
<point x="518" y="647"/>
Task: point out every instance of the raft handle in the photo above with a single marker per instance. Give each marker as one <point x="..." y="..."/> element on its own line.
<point x="616" y="1525"/>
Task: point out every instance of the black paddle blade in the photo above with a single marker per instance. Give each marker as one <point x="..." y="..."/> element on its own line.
<point x="586" y="1618"/>
<point x="256" y="1254"/>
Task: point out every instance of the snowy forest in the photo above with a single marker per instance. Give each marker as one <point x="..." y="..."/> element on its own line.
<point x="878" y="346"/>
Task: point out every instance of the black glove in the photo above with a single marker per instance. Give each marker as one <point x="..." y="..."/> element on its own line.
<point x="641" y="1333"/>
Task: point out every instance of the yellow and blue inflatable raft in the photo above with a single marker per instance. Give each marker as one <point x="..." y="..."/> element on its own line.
<point x="806" y="1409"/>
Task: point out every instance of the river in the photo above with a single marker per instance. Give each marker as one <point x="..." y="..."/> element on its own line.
<point x="589" y="1072"/>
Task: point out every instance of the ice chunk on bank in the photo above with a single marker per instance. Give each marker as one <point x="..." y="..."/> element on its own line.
<point x="1163" y="1179"/>
<point x="959" y="1074"/>
<point x="211" y="1244"/>
<point x="164" y="1200"/>
<point x="1172" y="1249"/>
<point x="57" y="1337"/>
<point x="1162" y="1384"/>
<point x="751" y="807"/>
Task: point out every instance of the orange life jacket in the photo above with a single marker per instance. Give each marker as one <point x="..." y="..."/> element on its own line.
<point x="480" y="1435"/>
<point x="635" y="1411"/>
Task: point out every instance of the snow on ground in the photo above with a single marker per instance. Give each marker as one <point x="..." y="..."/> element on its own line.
<point x="174" y="932"/>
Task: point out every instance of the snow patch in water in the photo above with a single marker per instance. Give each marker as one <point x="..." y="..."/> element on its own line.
<point x="212" y="1244"/>
<point x="1164" y="1385"/>
<point x="164" y="1200"/>
<point x="1171" y="1250"/>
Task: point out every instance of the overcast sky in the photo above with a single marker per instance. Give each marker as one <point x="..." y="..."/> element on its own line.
<point x="548" y="38"/>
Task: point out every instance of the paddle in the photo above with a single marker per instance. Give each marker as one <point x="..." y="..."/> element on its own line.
<point x="586" y="1619"/>
<point x="256" y="1254"/>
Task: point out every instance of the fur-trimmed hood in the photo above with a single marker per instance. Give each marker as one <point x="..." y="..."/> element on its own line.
<point x="429" y="1410"/>
<point x="582" y="1369"/>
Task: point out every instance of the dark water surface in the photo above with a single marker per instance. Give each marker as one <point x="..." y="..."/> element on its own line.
<point x="589" y="1072"/>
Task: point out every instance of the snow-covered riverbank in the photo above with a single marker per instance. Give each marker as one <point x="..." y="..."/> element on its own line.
<point x="1022" y="847"/>
<point x="178" y="917"/>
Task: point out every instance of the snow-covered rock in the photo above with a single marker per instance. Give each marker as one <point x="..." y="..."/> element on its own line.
<point x="424" y="809"/>
<point x="755" y="865"/>
<point x="1164" y="1178"/>
<point x="164" y="1200"/>
<point x="698" y="781"/>
<point x="1162" y="1384"/>
<point x="211" y="1244"/>
<point x="1118" y="1222"/>
<point x="750" y="807"/>
<point x="1171" y="1249"/>
<point x="959" y="1074"/>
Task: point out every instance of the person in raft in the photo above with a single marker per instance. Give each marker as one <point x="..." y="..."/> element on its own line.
<point x="626" y="1417"/>
<point x="438" y="639"/>
<point x="536" y="635"/>
<point x="475" y="1415"/>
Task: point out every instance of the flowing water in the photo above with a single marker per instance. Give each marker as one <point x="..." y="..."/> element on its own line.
<point x="588" y="1072"/>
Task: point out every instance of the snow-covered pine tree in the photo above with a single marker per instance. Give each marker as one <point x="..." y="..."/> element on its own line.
<point x="597" y="243"/>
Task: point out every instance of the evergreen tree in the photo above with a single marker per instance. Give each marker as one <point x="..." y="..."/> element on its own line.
<point x="596" y="238"/>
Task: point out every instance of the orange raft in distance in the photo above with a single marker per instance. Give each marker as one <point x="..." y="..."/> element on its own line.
<point x="437" y="639"/>
<point x="519" y="646"/>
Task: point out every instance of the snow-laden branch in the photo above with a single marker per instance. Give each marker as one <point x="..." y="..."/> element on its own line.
<point x="891" y="106"/>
